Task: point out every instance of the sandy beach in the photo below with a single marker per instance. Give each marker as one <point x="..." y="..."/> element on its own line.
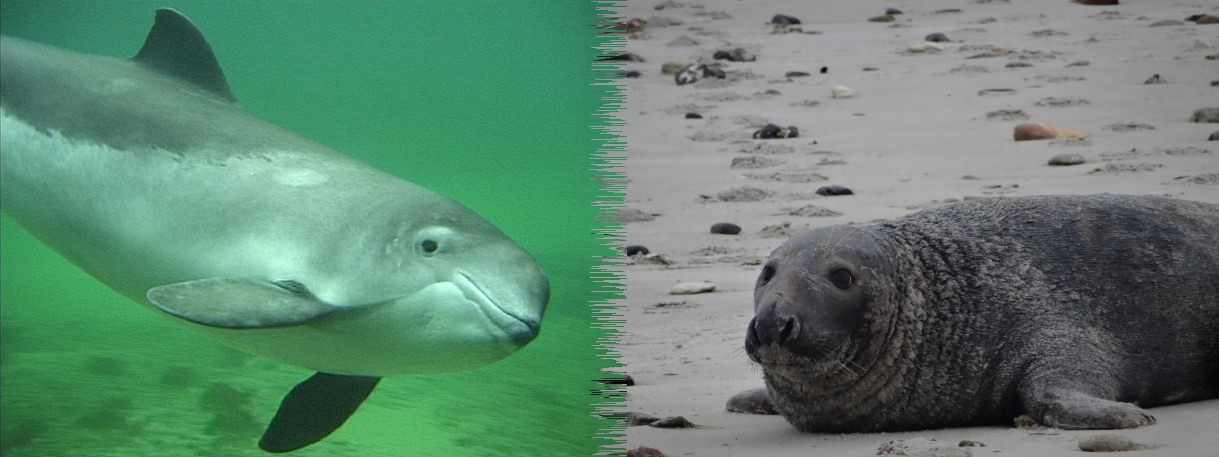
<point x="930" y="124"/>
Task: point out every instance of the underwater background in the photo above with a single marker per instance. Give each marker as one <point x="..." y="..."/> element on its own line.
<point x="487" y="102"/>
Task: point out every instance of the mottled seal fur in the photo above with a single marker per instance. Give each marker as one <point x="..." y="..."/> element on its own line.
<point x="1076" y="310"/>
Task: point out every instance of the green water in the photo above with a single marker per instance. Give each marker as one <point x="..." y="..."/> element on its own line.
<point x="487" y="102"/>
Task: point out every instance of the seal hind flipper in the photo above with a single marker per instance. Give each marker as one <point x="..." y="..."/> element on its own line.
<point x="177" y="48"/>
<point x="240" y="303"/>
<point x="314" y="409"/>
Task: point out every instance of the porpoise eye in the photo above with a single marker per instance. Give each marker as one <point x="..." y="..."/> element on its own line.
<point x="429" y="247"/>
<point x="842" y="278"/>
<point x="767" y="273"/>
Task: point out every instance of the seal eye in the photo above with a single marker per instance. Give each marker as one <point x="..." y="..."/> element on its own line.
<point x="842" y="278"/>
<point x="429" y="247"/>
<point x="767" y="273"/>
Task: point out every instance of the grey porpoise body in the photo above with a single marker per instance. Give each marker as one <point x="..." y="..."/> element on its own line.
<point x="147" y="174"/>
<point x="1076" y="310"/>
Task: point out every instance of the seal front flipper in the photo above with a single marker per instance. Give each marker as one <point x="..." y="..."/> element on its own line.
<point x="1074" y="401"/>
<point x="240" y="303"/>
<point x="315" y="408"/>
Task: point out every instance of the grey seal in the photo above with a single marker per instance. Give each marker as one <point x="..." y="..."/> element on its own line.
<point x="1076" y="310"/>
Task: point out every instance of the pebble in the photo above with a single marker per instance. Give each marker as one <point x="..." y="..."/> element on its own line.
<point x="625" y="380"/>
<point x="629" y="74"/>
<point x="842" y="92"/>
<point x="1202" y="19"/>
<point x="1066" y="159"/>
<point x="796" y="74"/>
<point x="773" y="131"/>
<point x="691" y="288"/>
<point x="689" y="75"/>
<point x="1208" y="115"/>
<point x="735" y="55"/>
<point x="1154" y="79"/>
<point x="644" y="451"/>
<point x="1214" y="137"/>
<point x="882" y="18"/>
<point x="712" y="72"/>
<point x="1039" y="131"/>
<point x="892" y="11"/>
<point x="626" y="56"/>
<point x="1107" y="442"/>
<point x="833" y="190"/>
<point x="925" y="47"/>
<point x="752" y="401"/>
<point x="694" y="116"/>
<point x="870" y="68"/>
<point x="825" y="69"/>
<point x="1018" y="65"/>
<point x="673" y="422"/>
<point x="1167" y="22"/>
<point x="937" y="38"/>
<point x="635" y="419"/>
<point x="636" y="249"/>
<point x="725" y="228"/>
<point x="1079" y="63"/>
<point x="783" y="19"/>
<point x="971" y="443"/>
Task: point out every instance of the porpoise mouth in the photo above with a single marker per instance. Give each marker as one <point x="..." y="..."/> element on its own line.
<point x="518" y="328"/>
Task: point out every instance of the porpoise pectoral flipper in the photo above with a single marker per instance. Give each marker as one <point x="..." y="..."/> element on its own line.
<point x="240" y="303"/>
<point x="315" y="408"/>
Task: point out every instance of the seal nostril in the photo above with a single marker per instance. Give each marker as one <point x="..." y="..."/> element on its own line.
<point x="789" y="327"/>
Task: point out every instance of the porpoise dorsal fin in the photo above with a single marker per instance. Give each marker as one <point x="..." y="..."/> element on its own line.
<point x="176" y="48"/>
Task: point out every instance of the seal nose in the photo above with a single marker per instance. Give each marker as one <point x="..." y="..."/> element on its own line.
<point x="771" y="327"/>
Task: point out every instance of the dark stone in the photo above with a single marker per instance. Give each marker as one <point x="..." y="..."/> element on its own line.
<point x="752" y="401"/>
<point x="633" y="419"/>
<point x="825" y="70"/>
<point x="629" y="74"/>
<point x="625" y="380"/>
<point x="712" y="72"/>
<point x="672" y="422"/>
<point x="892" y="11"/>
<point x="783" y="19"/>
<point x="694" y="116"/>
<point x="796" y="74"/>
<point x="937" y="38"/>
<point x="1205" y="115"/>
<point x="771" y="131"/>
<point x="726" y="228"/>
<point x="735" y="55"/>
<point x="833" y="190"/>
<point x="1214" y="137"/>
<point x="636" y="249"/>
<point x="626" y="56"/>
